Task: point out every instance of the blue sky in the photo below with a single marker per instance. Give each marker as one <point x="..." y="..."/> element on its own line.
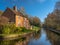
<point x="39" y="8"/>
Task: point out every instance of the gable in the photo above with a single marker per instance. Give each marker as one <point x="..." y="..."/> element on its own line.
<point x="7" y="11"/>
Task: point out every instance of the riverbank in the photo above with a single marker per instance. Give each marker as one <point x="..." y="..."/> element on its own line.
<point x="16" y="36"/>
<point x="53" y="30"/>
<point x="22" y="39"/>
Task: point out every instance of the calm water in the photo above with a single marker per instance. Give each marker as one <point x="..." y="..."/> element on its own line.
<point x="44" y="37"/>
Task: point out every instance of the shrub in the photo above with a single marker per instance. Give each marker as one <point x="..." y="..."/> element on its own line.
<point x="23" y="29"/>
<point x="1" y="27"/>
<point x="6" y="29"/>
<point x="12" y="29"/>
<point x="17" y="30"/>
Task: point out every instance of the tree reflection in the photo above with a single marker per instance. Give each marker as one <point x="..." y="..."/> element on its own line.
<point x="53" y="37"/>
<point x="37" y="35"/>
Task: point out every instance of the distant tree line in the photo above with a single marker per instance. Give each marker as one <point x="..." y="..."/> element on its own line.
<point x="53" y="20"/>
<point x="35" y="21"/>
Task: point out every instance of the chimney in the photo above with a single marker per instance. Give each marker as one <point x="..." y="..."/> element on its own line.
<point x="15" y="8"/>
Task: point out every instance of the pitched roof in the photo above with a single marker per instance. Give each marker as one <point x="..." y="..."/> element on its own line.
<point x="15" y="12"/>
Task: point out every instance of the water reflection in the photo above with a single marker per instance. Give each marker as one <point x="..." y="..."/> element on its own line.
<point x="43" y="37"/>
<point x="37" y="35"/>
<point x="53" y="37"/>
<point x="19" y="41"/>
<point x="42" y="40"/>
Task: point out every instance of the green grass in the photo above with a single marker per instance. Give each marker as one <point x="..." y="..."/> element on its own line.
<point x="18" y="33"/>
<point x="10" y="30"/>
<point x="35" y="28"/>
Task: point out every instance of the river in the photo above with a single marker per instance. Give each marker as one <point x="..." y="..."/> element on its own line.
<point x="44" y="37"/>
<point x="47" y="38"/>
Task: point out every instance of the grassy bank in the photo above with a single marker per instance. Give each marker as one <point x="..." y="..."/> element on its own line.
<point x="11" y="31"/>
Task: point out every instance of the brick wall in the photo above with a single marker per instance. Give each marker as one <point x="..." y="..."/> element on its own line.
<point x="19" y="21"/>
<point x="10" y="15"/>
